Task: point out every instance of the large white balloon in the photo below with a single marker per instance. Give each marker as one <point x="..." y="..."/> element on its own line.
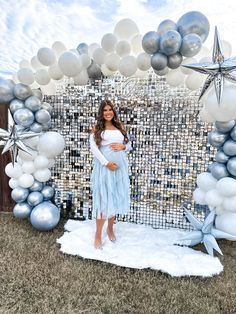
<point x="86" y="60"/>
<point x="46" y="56"/>
<point x="175" y="77"/>
<point x="206" y="181"/>
<point x="229" y="204"/>
<point x="199" y="196"/>
<point x="13" y="171"/>
<point x="126" y="29"/>
<point x="36" y="64"/>
<point x="42" y="175"/>
<point x="227" y="48"/>
<point x="28" y="167"/>
<point x="108" y="42"/>
<point x="49" y="89"/>
<point x="123" y="48"/>
<point x="112" y="62"/>
<point x="136" y="44"/>
<point x="92" y="47"/>
<point x="42" y="77"/>
<point x="226" y="222"/>
<point x="205" y="116"/>
<point x="13" y="183"/>
<point x="51" y="144"/>
<point x="55" y="72"/>
<point x="82" y="78"/>
<point x="25" y="64"/>
<point x="194" y="81"/>
<point x="226" y="187"/>
<point x="144" y="61"/>
<point x="128" y="66"/>
<point x="227" y="109"/>
<point x="69" y="64"/>
<point x="41" y="162"/>
<point x="58" y="47"/>
<point x="99" y="56"/>
<point x="25" y="76"/>
<point x="213" y="198"/>
<point x="25" y="180"/>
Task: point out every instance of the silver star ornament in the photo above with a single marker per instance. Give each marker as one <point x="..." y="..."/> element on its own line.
<point x="218" y="70"/>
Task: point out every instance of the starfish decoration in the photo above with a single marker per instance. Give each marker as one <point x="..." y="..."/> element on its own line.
<point x="205" y="232"/>
<point x="13" y="139"/>
<point x="217" y="70"/>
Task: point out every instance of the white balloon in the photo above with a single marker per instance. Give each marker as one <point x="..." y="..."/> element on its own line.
<point x="227" y="48"/>
<point x="99" y="56"/>
<point x="26" y="156"/>
<point x="51" y="144"/>
<point x="41" y="162"/>
<point x="42" y="77"/>
<point x="112" y="62"/>
<point x="106" y="71"/>
<point x="25" y="64"/>
<point x="175" y="77"/>
<point x="128" y="66"/>
<point x="35" y="85"/>
<point x="219" y="210"/>
<point x="213" y="198"/>
<point x="28" y="167"/>
<point x="46" y="56"/>
<point x="227" y="223"/>
<point x="55" y="72"/>
<point x="85" y="59"/>
<point x="26" y="180"/>
<point x="136" y="44"/>
<point x="36" y="64"/>
<point x="42" y="175"/>
<point x="194" y="81"/>
<point x="49" y="89"/>
<point x="204" y="52"/>
<point x="144" y="61"/>
<point x="108" y="42"/>
<point x="82" y="78"/>
<point x="205" y="59"/>
<point x="226" y="187"/>
<point x="229" y="204"/>
<point x="206" y="181"/>
<point x="199" y="196"/>
<point x="140" y="74"/>
<point x="227" y="109"/>
<point x="69" y="64"/>
<point x="123" y="48"/>
<point x="58" y="47"/>
<point x="13" y="172"/>
<point x="92" y="48"/>
<point x="205" y="116"/>
<point x="25" y="76"/>
<point x="125" y="29"/>
<point x="13" y="183"/>
<point x="187" y="61"/>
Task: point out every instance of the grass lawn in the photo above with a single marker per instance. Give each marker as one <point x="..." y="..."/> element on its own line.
<point x="35" y="277"/>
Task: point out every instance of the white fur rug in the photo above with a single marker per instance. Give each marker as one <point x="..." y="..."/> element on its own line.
<point x="139" y="246"/>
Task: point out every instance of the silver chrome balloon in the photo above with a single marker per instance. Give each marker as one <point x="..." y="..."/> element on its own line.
<point x="24" y="117"/>
<point x="35" y="198"/>
<point x="45" y="216"/>
<point x="36" y="187"/>
<point x="233" y="133"/>
<point x="19" y="194"/>
<point x="224" y="127"/>
<point x="229" y="148"/>
<point x="37" y="93"/>
<point x="216" y="138"/>
<point x="165" y="26"/>
<point x="191" y="45"/>
<point x="174" y="61"/>
<point x="47" y="126"/>
<point x="16" y="104"/>
<point x="194" y="22"/>
<point x="22" y="91"/>
<point x="82" y="48"/>
<point x="48" y="192"/>
<point x="221" y="157"/>
<point x="150" y="42"/>
<point x="36" y="127"/>
<point x="158" y="61"/>
<point x="6" y="91"/>
<point x="22" y="210"/>
<point x="219" y="170"/>
<point x="42" y="116"/>
<point x="231" y="166"/>
<point x="33" y="103"/>
<point x="94" y="71"/>
<point x="170" y="42"/>
<point x="162" y="72"/>
<point x="47" y="107"/>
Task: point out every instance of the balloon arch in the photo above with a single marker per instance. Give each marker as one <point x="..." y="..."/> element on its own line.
<point x="164" y="54"/>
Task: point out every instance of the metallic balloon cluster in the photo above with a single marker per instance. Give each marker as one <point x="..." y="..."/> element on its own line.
<point x="173" y="41"/>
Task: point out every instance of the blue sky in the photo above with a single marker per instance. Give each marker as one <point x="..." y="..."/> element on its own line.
<point x="27" y="25"/>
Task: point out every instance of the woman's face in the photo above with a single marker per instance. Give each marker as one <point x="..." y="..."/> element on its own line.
<point x="108" y="113"/>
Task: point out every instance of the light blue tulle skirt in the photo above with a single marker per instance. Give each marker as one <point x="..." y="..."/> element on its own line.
<point x="110" y="189"/>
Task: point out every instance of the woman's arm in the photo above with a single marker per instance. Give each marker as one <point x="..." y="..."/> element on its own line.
<point x="96" y="152"/>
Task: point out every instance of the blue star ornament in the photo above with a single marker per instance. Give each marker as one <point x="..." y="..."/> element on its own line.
<point x="218" y="70"/>
<point x="205" y="232"/>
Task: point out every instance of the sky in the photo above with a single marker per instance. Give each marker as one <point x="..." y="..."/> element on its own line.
<point x="28" y="25"/>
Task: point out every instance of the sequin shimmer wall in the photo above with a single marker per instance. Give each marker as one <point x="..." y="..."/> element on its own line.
<point x="169" y="146"/>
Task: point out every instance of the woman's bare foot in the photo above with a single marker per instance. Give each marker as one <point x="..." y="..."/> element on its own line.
<point x="111" y="235"/>
<point x="98" y="242"/>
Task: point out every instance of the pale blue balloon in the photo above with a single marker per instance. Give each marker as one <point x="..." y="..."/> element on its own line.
<point x="45" y="216"/>
<point x="219" y="170"/>
<point x="36" y="186"/>
<point x="82" y="48"/>
<point x="48" y="192"/>
<point x="225" y="127"/>
<point x="150" y="42"/>
<point x="166" y="25"/>
<point x="191" y="45"/>
<point x="158" y="61"/>
<point x="24" y="117"/>
<point x="22" y="91"/>
<point x="16" y="104"/>
<point x="33" y="103"/>
<point x="170" y="42"/>
<point x="229" y="148"/>
<point x="19" y="194"/>
<point x="174" y="61"/>
<point x="231" y="166"/>
<point x="22" y="210"/>
<point x="35" y="198"/>
<point x="6" y="91"/>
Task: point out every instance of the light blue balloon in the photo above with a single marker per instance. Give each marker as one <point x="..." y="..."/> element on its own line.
<point x="22" y="210"/>
<point x="229" y="148"/>
<point x="36" y="127"/>
<point x="48" y="192"/>
<point x="221" y="157"/>
<point x="233" y="133"/>
<point x="36" y="186"/>
<point x="35" y="198"/>
<point x="24" y="117"/>
<point x="216" y="138"/>
<point x="158" y="61"/>
<point x="22" y="91"/>
<point x="82" y="48"/>
<point x="19" y="194"/>
<point x="150" y="42"/>
<point x="33" y="103"/>
<point x="45" y="216"/>
<point x="219" y="170"/>
<point x="231" y="166"/>
<point x="6" y="91"/>
<point x="191" y="45"/>
<point x="174" y="61"/>
<point x="225" y="127"/>
<point x="16" y="104"/>
<point x="170" y="42"/>
<point x="165" y="26"/>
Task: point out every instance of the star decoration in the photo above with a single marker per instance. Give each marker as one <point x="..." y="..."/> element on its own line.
<point x="205" y="232"/>
<point x="217" y="70"/>
<point x="13" y="139"/>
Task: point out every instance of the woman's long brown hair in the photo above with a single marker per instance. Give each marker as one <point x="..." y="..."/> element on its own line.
<point x="100" y="125"/>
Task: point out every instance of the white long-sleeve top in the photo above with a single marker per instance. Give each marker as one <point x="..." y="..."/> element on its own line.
<point x="108" y="137"/>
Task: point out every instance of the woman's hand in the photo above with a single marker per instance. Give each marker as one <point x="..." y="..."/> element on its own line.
<point x="117" y="146"/>
<point x="112" y="166"/>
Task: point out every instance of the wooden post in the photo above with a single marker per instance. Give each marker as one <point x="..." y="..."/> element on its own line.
<point x="6" y="202"/>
